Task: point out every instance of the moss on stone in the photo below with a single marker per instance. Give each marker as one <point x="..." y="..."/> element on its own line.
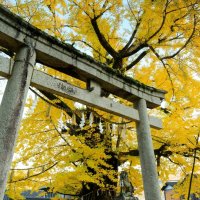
<point x="78" y="54"/>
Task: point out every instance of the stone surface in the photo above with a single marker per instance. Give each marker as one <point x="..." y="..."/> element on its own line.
<point x="147" y="158"/>
<point x="11" y="109"/>
<point x="14" y="32"/>
<point x="91" y="97"/>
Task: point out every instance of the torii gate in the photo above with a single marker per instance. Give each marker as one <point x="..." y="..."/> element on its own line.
<point x="32" y="45"/>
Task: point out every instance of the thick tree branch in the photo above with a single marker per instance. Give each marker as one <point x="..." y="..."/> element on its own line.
<point x="163" y="151"/>
<point x="137" y="60"/>
<point x="102" y="38"/>
<point x="134" y="48"/>
<point x="138" y="22"/>
<point x="131" y="38"/>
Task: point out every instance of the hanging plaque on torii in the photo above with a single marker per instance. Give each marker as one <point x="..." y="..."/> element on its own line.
<point x="32" y="45"/>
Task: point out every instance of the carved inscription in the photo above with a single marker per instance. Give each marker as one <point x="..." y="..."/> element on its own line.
<point x="67" y="89"/>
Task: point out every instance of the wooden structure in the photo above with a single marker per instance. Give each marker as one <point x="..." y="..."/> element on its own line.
<point x="32" y="45"/>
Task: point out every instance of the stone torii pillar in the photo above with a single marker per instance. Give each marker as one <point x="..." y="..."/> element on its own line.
<point x="11" y="109"/>
<point x="146" y="153"/>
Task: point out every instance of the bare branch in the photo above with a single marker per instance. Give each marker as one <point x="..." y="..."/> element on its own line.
<point x="81" y="9"/>
<point x="186" y="43"/>
<point x="29" y="168"/>
<point x="59" y="132"/>
<point x="90" y="46"/>
<point x="132" y="11"/>
<point x="163" y="21"/>
<point x="102" y="13"/>
<point x="34" y="175"/>
<point x="183" y="7"/>
<point x="178" y="37"/>
<point x="165" y="66"/>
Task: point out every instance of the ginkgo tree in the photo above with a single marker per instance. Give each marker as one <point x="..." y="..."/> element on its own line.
<point x="79" y="150"/>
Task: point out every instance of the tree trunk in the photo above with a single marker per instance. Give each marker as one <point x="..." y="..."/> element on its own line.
<point x="118" y="63"/>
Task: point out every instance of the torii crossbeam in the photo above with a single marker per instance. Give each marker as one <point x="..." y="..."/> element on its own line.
<point x="32" y="45"/>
